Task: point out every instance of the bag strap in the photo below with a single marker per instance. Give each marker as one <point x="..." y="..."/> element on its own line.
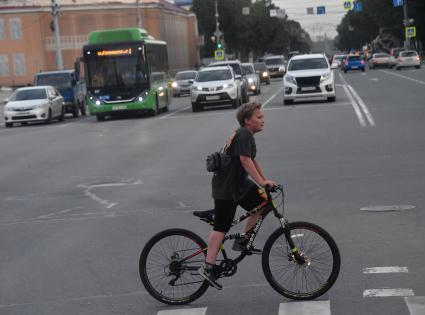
<point x="228" y="143"/>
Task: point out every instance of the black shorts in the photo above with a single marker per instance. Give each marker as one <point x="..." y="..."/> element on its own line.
<point x="225" y="210"/>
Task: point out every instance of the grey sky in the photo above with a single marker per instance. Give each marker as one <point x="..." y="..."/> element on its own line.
<point x="315" y="25"/>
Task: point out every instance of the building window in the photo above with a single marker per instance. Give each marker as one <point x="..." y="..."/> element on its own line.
<point x="2" y="34"/>
<point x="19" y="64"/>
<point x="15" y="28"/>
<point x="4" y="66"/>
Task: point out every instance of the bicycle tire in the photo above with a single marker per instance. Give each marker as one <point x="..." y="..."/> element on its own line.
<point x="164" y="245"/>
<point x="316" y="245"/>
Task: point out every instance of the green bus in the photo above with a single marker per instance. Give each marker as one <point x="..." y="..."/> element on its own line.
<point x="126" y="71"/>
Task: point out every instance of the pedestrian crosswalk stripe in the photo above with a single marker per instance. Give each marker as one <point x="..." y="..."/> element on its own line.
<point x="416" y="305"/>
<point x="184" y="311"/>
<point x="302" y="308"/>
<point x="387" y="292"/>
<point x="394" y="269"/>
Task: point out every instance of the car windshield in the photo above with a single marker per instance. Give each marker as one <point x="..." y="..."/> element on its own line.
<point x="248" y="69"/>
<point x="25" y="95"/>
<point x="353" y="58"/>
<point x="260" y="66"/>
<point x="274" y="61"/>
<point x="338" y="57"/>
<point x="310" y="63"/>
<point x="58" y="80"/>
<point x="235" y="66"/>
<point x="214" y="75"/>
<point x="408" y="54"/>
<point x="185" y="75"/>
<point x="381" y="56"/>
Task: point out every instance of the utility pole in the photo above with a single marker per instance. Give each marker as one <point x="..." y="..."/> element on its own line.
<point x="139" y="19"/>
<point x="406" y="23"/>
<point x="217" y="24"/>
<point x="55" y="13"/>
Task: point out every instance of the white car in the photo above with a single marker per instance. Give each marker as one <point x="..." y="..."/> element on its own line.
<point x="308" y="76"/>
<point x="253" y="78"/>
<point x="215" y="86"/>
<point x="336" y="61"/>
<point x="408" y="58"/>
<point x="37" y="103"/>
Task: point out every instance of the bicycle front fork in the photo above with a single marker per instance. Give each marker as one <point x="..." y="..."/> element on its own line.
<point x="295" y="253"/>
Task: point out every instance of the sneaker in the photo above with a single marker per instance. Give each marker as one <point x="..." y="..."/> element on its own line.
<point x="239" y="245"/>
<point x="208" y="274"/>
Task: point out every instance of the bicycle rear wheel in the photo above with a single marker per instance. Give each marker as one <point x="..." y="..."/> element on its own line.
<point x="301" y="281"/>
<point x="168" y="266"/>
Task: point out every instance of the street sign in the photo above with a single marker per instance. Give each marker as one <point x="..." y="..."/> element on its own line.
<point x="219" y="54"/>
<point x="358" y="6"/>
<point x="348" y="5"/>
<point x="410" y="32"/>
<point x="321" y="10"/>
<point x="310" y="10"/>
<point x="245" y="10"/>
<point x="398" y="3"/>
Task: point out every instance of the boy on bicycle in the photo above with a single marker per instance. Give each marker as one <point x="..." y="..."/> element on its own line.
<point x="232" y="187"/>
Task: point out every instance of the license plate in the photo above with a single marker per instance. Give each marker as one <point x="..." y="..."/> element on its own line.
<point x="308" y="88"/>
<point x="119" y="107"/>
<point x="212" y="98"/>
<point x="22" y="113"/>
<point x="354" y="67"/>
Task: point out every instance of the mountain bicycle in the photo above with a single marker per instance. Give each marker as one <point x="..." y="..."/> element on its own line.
<point x="300" y="260"/>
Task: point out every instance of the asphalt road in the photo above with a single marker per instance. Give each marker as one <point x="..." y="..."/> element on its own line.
<point x="80" y="199"/>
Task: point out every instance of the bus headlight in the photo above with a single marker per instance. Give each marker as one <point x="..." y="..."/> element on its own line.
<point x="95" y="101"/>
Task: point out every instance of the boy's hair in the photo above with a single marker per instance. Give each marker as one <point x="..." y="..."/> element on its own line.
<point x="246" y="111"/>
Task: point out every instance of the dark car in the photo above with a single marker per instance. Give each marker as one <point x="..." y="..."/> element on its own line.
<point x="263" y="73"/>
<point x="237" y="69"/>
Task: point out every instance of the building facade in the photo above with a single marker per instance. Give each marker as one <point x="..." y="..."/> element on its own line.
<point x="27" y="42"/>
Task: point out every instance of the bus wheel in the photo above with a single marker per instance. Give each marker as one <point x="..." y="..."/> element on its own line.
<point x="100" y="117"/>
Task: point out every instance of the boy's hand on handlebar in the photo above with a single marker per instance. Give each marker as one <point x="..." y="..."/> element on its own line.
<point x="268" y="184"/>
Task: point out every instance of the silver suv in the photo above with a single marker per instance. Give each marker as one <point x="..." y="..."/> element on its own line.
<point x="275" y="65"/>
<point x="215" y="86"/>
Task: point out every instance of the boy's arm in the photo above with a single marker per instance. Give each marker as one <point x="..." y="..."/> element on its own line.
<point x="259" y="170"/>
<point x="249" y="165"/>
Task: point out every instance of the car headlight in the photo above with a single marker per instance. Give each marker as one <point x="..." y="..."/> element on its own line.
<point x="199" y="88"/>
<point x="281" y="69"/>
<point x="290" y="79"/>
<point x="250" y="80"/>
<point x="174" y="84"/>
<point x="265" y="74"/>
<point x="325" y="76"/>
<point x="228" y="86"/>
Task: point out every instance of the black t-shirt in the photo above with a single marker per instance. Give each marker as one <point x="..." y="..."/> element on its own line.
<point x="232" y="182"/>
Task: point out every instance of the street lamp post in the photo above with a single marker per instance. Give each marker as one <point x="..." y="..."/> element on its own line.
<point x="139" y="19"/>
<point x="55" y="13"/>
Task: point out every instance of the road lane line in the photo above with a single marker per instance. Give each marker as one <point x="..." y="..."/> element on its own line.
<point x="305" y="308"/>
<point x="404" y="77"/>
<point x="184" y="311"/>
<point x="177" y="111"/>
<point x="416" y="305"/>
<point x="272" y="97"/>
<point x="356" y="107"/>
<point x="387" y="292"/>
<point x="45" y="216"/>
<point x="363" y="106"/>
<point x="393" y="269"/>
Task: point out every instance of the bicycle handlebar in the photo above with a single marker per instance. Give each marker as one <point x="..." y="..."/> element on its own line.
<point x="274" y="188"/>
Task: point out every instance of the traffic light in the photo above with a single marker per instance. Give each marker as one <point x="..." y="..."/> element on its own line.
<point x="219" y="45"/>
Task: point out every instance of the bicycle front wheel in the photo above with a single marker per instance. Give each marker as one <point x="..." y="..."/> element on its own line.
<point x="307" y="280"/>
<point x="168" y="266"/>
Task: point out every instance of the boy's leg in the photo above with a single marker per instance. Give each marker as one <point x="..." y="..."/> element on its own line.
<point x="214" y="243"/>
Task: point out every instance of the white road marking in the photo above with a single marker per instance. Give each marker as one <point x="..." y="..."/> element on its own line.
<point x="272" y="97"/>
<point x="416" y="305"/>
<point x="58" y="213"/>
<point x="394" y="269"/>
<point x="387" y="292"/>
<point x="181" y="204"/>
<point x="404" y="77"/>
<point x="177" y="111"/>
<point x="388" y="208"/>
<point x="356" y="108"/>
<point x="184" y="311"/>
<point x="358" y="104"/>
<point x="304" y="308"/>
<point x="363" y="106"/>
<point x="375" y="79"/>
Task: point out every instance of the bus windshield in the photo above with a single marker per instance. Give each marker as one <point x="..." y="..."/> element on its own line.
<point x="117" y="72"/>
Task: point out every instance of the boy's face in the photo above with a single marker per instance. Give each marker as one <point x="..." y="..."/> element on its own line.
<point x="256" y="122"/>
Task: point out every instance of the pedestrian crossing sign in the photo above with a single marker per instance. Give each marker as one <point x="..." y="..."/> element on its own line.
<point x="348" y="5"/>
<point x="219" y="54"/>
<point x="410" y="32"/>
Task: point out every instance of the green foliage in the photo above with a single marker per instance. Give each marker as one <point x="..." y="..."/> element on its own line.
<point x="256" y="32"/>
<point x="358" y="28"/>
